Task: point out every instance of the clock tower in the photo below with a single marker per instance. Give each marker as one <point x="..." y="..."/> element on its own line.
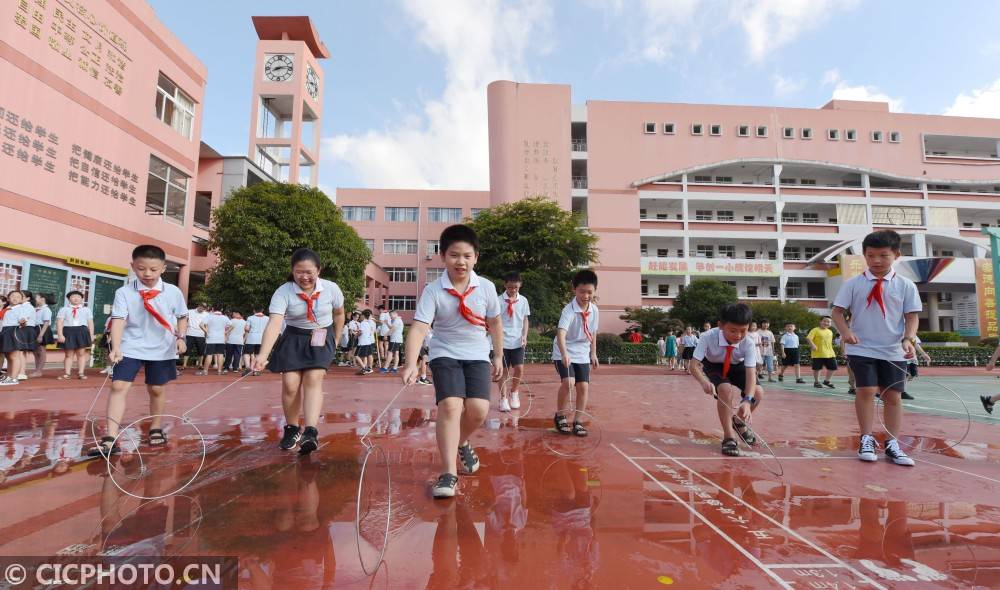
<point x="287" y="98"/>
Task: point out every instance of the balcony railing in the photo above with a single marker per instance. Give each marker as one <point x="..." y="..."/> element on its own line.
<point x="579" y="145"/>
<point x="579" y="182"/>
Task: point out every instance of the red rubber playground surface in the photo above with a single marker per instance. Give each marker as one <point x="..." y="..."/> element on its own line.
<point x="646" y="501"/>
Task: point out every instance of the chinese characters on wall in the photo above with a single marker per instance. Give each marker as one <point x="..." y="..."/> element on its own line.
<point x="667" y="266"/>
<point x="541" y="170"/>
<point x="23" y="140"/>
<point x="986" y="292"/>
<point x="73" y="31"/>
<point x="101" y="175"/>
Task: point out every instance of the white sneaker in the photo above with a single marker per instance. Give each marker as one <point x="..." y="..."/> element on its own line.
<point x="8" y="381"/>
<point x="515" y="400"/>
<point x="504" y="405"/>
<point x="22" y="377"/>
<point x="868" y="447"/>
<point x="897" y="455"/>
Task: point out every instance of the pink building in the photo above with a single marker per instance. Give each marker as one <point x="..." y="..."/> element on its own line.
<point x="773" y="200"/>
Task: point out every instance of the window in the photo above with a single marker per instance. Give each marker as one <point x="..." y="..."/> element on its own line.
<point x="751" y="291"/>
<point x="680" y="253"/>
<point x="789" y="181"/>
<point x="894" y="137"/>
<point x="642" y="214"/>
<point x="433" y="274"/>
<point x="806" y="133"/>
<point x="10" y="276"/>
<point x="444" y="215"/>
<point x="80" y="283"/>
<point x="793" y="253"/>
<point x="703" y="178"/>
<point x="399" y="246"/>
<point x="727" y="251"/>
<point x="715" y="129"/>
<point x="831" y="220"/>
<point x="662" y="216"/>
<point x="476" y="211"/>
<point x="724" y="179"/>
<point x="202" y="209"/>
<point x="833" y="134"/>
<point x="433" y="247"/>
<point x="761" y="130"/>
<point x="816" y="290"/>
<point x="645" y="288"/>
<point x="788" y="132"/>
<point x="770" y="219"/>
<point x="696" y="129"/>
<point x="663" y="252"/>
<point x="877" y="136"/>
<point x="789" y="217"/>
<point x="166" y="190"/>
<point x="730" y="283"/>
<point x="401" y="214"/>
<point x="851" y="135"/>
<point x="352" y="213"/>
<point x="403" y="302"/>
<point x="944" y="297"/>
<point x="663" y="290"/>
<point x="809" y="181"/>
<point x="890" y="215"/>
<point x="743" y="130"/>
<point x="811" y="251"/>
<point x="703" y="215"/>
<point x="749" y="218"/>
<point x="370" y="244"/>
<point x="704" y="251"/>
<point x="810" y="217"/>
<point x="724" y="216"/>
<point x="947" y="253"/>
<point x="773" y="291"/>
<point x="772" y="255"/>
<point x="650" y="127"/>
<point x="173" y="107"/>
<point x="401" y="274"/>
<point x="668" y="128"/>
<point x="643" y="249"/>
<point x="793" y="290"/>
<point x="749" y="254"/>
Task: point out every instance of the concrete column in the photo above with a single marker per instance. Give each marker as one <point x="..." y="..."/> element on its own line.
<point x="184" y="279"/>
<point x="933" y="319"/>
<point x="920" y="245"/>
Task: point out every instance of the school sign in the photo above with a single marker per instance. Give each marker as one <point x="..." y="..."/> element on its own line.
<point x="723" y="267"/>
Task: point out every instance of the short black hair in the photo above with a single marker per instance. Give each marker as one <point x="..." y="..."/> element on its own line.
<point x="763" y="321"/>
<point x="305" y="254"/>
<point x="72" y="293"/>
<point x="380" y="306"/>
<point x="736" y="313"/>
<point x="28" y="295"/>
<point x="585" y="277"/>
<point x="512" y="277"/>
<point x="458" y="233"/>
<point x="825" y="317"/>
<point x="884" y="238"/>
<point x="367" y="313"/>
<point x="149" y="251"/>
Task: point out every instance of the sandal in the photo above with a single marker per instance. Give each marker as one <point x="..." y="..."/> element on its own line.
<point x="744" y="431"/>
<point x="64" y="377"/>
<point x="81" y="376"/>
<point x="562" y="426"/>
<point x="579" y="429"/>
<point x="157" y="437"/>
<point x="105" y="448"/>
<point x="729" y="448"/>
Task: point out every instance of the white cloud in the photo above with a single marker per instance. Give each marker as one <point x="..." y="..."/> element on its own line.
<point x="770" y="24"/>
<point x="844" y="91"/>
<point x="982" y="102"/>
<point x="785" y="86"/>
<point x="445" y="145"/>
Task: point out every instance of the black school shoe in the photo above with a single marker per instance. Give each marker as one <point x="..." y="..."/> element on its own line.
<point x="290" y="438"/>
<point x="988" y="403"/>
<point x="905" y="395"/>
<point x="309" y="442"/>
<point x="830" y="385"/>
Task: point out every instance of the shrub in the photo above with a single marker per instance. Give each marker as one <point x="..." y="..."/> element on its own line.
<point x="939" y="336"/>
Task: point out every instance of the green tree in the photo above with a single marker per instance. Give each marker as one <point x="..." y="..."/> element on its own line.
<point x="543" y="242"/>
<point x="779" y="314"/>
<point x="651" y="321"/>
<point x="701" y="300"/>
<point x="255" y="232"/>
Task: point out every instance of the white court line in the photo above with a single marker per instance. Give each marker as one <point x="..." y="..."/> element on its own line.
<point x="780" y="525"/>
<point x="708" y="523"/>
<point x="796" y="566"/>
<point x="957" y="470"/>
<point x="744" y="457"/>
<point x="906" y="405"/>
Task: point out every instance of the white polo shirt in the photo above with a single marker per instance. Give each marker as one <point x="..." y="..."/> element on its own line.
<point x="577" y="343"/>
<point x="367" y="332"/>
<point x="689" y="341"/>
<point x="712" y="347"/>
<point x="396" y="331"/>
<point x="27" y="311"/>
<point x="237" y="332"/>
<point x="12" y="317"/>
<point x="384" y="321"/>
<point x="43" y="314"/>
<point x="257" y="324"/>
<point x="83" y="315"/>
<point x="215" y="326"/>
<point x="454" y="336"/>
<point x="513" y="325"/>
<point x="880" y="335"/>
<point x="195" y="318"/>
<point x="286" y="301"/>
<point x="145" y="338"/>
<point x="354" y="326"/>
<point x="790" y="340"/>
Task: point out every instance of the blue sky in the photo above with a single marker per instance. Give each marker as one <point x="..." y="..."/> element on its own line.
<point x="405" y="101"/>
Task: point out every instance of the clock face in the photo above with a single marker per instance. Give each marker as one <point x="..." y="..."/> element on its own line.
<point x="278" y="67"/>
<point x="312" y="82"/>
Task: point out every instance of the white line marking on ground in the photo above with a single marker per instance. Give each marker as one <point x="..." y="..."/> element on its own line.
<point x="743" y="457"/>
<point x="957" y="470"/>
<point x="707" y="522"/>
<point x="789" y="566"/>
<point x="767" y="517"/>
<point x="908" y="405"/>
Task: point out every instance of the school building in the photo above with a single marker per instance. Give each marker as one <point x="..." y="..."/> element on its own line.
<point x="773" y="200"/>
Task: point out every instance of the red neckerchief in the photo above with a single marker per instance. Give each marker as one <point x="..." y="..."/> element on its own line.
<point x="726" y="361"/>
<point x="585" y="315"/>
<point x="4" y="311"/>
<point x="309" y="299"/>
<point x="74" y="308"/>
<point x="463" y="309"/>
<point x="510" y="306"/>
<point x="876" y="294"/>
<point x="147" y="296"/>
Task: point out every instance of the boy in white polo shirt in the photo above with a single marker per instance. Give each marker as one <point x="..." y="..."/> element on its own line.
<point x="395" y="343"/>
<point x="515" y="311"/>
<point x="884" y="307"/>
<point x="149" y="320"/>
<point x="255" y="333"/>
<point x="461" y="305"/>
<point x="366" y="342"/>
<point x="725" y="364"/>
<point x="575" y="349"/>
<point x="215" y="325"/>
<point x="195" y="336"/>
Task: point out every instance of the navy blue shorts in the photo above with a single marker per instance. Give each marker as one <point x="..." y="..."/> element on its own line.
<point x="872" y="372"/>
<point x="461" y="378"/>
<point x="513" y="357"/>
<point x="157" y="372"/>
<point x="579" y="372"/>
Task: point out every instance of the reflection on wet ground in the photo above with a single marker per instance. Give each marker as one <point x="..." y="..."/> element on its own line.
<point x="653" y="504"/>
